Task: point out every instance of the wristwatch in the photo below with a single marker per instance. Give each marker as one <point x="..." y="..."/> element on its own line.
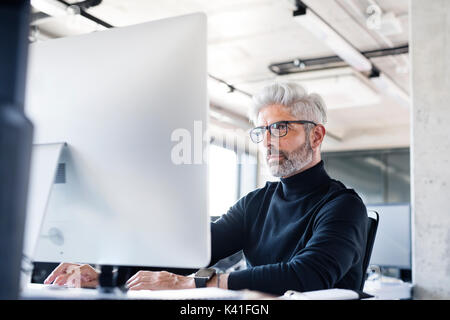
<point x="202" y="276"/>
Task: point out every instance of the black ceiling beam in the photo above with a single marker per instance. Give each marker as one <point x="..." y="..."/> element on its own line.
<point x="386" y="51"/>
<point x="86" y="4"/>
<point x="302" y="65"/>
<point x="231" y="87"/>
<point x="301" y="8"/>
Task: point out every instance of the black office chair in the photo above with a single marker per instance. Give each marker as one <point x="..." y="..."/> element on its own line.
<point x="372" y="225"/>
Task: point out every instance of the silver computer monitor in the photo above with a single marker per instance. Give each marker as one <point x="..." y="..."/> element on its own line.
<point x="115" y="98"/>
<point x="392" y="247"/>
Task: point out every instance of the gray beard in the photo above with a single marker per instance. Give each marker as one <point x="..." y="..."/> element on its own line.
<point x="292" y="162"/>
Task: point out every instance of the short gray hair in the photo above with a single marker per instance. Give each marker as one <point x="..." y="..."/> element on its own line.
<point x="294" y="97"/>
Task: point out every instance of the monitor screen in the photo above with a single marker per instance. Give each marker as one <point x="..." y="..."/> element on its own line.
<point x="128" y="103"/>
<point x="392" y="247"/>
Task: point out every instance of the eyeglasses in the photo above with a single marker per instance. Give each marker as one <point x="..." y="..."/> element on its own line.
<point x="277" y="129"/>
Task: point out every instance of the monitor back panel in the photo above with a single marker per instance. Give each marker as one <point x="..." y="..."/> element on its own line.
<point x="125" y="100"/>
<point x="392" y="247"/>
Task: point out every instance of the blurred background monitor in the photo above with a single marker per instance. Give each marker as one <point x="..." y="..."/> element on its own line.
<point x="392" y="248"/>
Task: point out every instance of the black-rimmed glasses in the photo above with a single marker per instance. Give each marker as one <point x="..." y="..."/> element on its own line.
<point x="277" y="129"/>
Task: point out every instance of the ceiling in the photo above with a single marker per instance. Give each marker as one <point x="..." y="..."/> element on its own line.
<point x="246" y="36"/>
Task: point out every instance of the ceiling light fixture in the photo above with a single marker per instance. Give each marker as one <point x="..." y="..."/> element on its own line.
<point x="59" y="8"/>
<point x="386" y="85"/>
<point x="53" y="8"/>
<point x="308" y="19"/>
<point x="320" y="63"/>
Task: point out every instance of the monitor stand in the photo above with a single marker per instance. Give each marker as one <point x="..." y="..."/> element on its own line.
<point x="107" y="281"/>
<point x="110" y="281"/>
<point x="44" y="164"/>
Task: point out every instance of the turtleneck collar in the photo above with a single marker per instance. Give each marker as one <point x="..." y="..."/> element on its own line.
<point x="305" y="181"/>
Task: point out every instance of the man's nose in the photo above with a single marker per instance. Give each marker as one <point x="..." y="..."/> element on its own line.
<point x="267" y="141"/>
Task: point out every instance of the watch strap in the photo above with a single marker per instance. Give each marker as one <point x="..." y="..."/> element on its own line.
<point x="200" y="278"/>
<point x="200" y="282"/>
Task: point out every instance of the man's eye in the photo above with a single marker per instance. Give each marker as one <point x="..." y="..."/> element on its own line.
<point x="279" y="126"/>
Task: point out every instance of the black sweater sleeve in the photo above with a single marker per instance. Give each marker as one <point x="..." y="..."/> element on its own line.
<point x="337" y="242"/>
<point x="227" y="233"/>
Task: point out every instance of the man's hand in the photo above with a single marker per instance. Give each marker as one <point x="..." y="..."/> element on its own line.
<point x="74" y="275"/>
<point x="163" y="280"/>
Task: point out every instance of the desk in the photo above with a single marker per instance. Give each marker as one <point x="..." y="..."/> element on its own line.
<point x="380" y="291"/>
<point x="388" y="289"/>
<point x="34" y="291"/>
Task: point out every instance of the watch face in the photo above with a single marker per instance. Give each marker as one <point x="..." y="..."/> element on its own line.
<point x="205" y="273"/>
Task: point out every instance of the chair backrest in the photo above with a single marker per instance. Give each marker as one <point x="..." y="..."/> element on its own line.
<point x="372" y="225"/>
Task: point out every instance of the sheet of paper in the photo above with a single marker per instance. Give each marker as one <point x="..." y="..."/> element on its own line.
<point x="329" y="294"/>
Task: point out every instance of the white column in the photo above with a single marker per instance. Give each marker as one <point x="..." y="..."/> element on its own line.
<point x="430" y="147"/>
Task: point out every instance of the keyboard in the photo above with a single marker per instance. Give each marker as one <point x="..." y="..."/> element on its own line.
<point x="35" y="291"/>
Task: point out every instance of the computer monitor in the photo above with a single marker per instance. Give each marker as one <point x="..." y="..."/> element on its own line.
<point x="392" y="247"/>
<point x="115" y="98"/>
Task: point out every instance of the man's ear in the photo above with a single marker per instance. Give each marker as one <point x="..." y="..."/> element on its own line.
<point x="317" y="135"/>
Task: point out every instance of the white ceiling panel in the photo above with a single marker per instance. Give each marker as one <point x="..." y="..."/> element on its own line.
<point x="246" y="36"/>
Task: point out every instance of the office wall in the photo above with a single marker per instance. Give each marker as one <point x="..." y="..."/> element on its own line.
<point x="430" y="147"/>
<point x="378" y="176"/>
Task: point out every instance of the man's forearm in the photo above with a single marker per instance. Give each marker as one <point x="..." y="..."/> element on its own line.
<point x="163" y="280"/>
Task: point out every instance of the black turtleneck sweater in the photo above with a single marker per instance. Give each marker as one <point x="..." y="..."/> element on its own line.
<point x="306" y="232"/>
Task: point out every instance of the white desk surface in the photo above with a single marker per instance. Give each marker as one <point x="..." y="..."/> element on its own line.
<point x="35" y="291"/>
<point x="389" y="289"/>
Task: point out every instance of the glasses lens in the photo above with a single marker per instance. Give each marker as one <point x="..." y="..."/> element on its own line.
<point x="257" y="134"/>
<point x="278" y="129"/>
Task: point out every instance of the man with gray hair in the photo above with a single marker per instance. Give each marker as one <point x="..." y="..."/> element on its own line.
<point x="294" y="100"/>
<point x="305" y="232"/>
